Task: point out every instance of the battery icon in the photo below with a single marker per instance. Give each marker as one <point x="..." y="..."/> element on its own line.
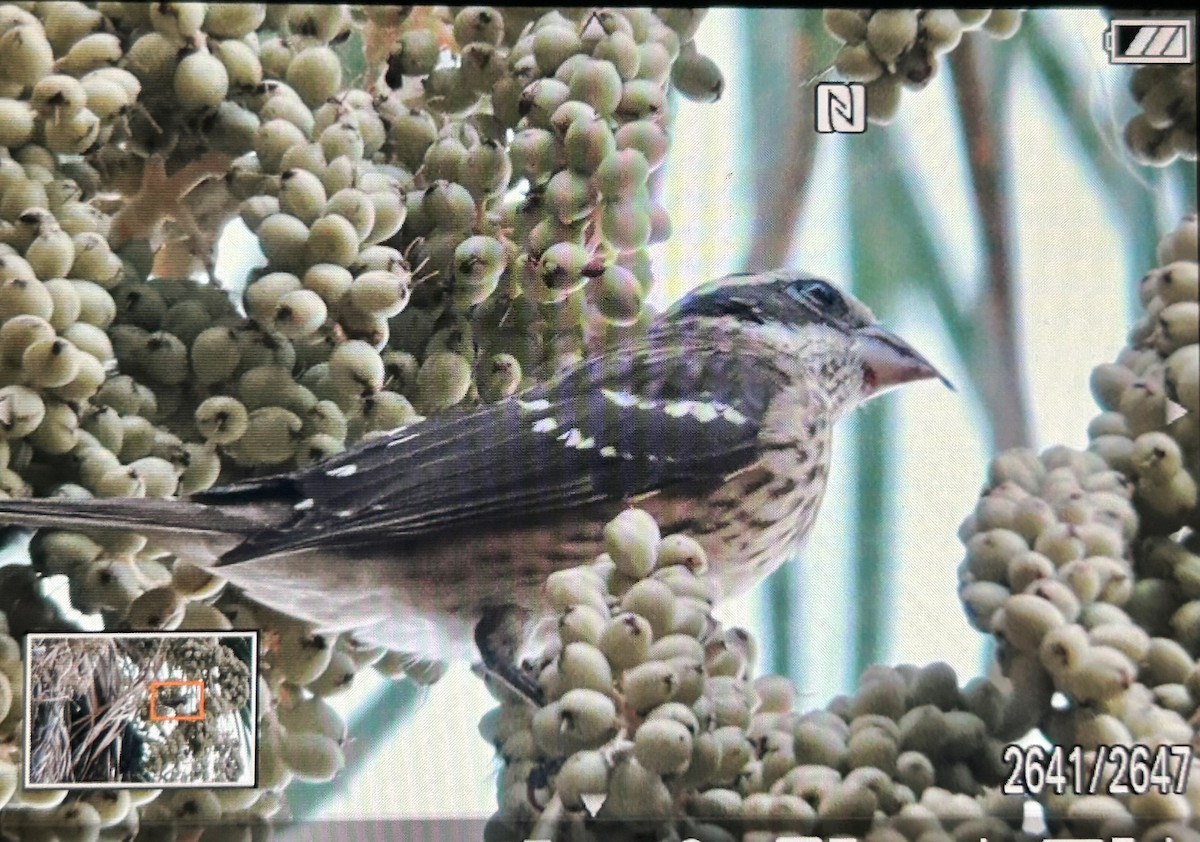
<point x="1149" y="41"/>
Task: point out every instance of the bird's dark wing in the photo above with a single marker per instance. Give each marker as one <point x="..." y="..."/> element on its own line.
<point x="614" y="427"/>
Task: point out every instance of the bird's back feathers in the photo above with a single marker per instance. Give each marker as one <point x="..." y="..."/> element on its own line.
<point x="685" y="409"/>
<point x="609" y="430"/>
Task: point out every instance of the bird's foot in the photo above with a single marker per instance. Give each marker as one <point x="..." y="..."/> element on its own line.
<point x="498" y="636"/>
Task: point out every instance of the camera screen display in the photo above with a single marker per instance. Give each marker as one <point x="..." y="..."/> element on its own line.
<point x="598" y="423"/>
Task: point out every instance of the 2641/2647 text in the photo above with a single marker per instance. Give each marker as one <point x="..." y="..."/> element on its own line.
<point x="1105" y="770"/>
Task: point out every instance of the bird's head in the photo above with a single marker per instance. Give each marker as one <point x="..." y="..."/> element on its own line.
<point x="832" y="334"/>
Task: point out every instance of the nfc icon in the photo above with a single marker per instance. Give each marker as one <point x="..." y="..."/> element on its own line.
<point x="841" y="108"/>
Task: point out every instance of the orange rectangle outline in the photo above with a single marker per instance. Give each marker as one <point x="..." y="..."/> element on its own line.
<point x="154" y="687"/>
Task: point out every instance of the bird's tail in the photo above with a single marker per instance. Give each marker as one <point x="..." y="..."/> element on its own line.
<point x="175" y="525"/>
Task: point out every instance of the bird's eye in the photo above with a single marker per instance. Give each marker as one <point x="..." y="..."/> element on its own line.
<point x="816" y="293"/>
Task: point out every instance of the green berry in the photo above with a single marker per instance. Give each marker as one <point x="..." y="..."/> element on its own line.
<point x="28" y="56"/>
<point x="387" y="411"/>
<point x="597" y="83"/>
<point x="316" y="74"/>
<point x="221" y="419"/>
<point x="355" y="369"/>
<point x="273" y="139"/>
<point x="487" y="170"/>
<point x="641" y="99"/>
<point x="648" y="685"/>
<point x="58" y="96"/>
<point x="416" y="54"/>
<point x="588" y="717"/>
<point x="381" y="292"/>
<point x="50" y="362"/>
<point x="312" y="757"/>
<point x="1003" y="24"/>
<point x="357" y="207"/>
<point x="663" y="746"/>
<point x="552" y="45"/>
<point x="696" y="76"/>
<point x="622" y="174"/>
<point x="577" y="586"/>
<point x="201" y="82"/>
<point x="479" y="261"/>
<point x="540" y="99"/>
<point x="856" y="63"/>
<point x="299" y="313"/>
<point x="621" y="49"/>
<point x="890" y="32"/>
<point x="501" y="378"/>
<point x="883" y="99"/>
<point x="849" y="25"/>
<point x="234" y="20"/>
<point x="442" y="381"/>
<point x="631" y="539"/>
<point x="583" y="773"/>
<point x="271" y="437"/>
<point x="479" y="23"/>
<point x="332" y="239"/>
<point x="301" y="194"/>
<point x="450" y="206"/>
<point x="581" y="664"/>
<point x="215" y="355"/>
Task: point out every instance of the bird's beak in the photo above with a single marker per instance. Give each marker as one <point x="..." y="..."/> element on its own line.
<point x="889" y="361"/>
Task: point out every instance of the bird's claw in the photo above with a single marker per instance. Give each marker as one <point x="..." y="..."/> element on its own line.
<point x="498" y="636"/>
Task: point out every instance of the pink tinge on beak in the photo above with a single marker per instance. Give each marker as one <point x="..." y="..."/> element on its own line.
<point x="889" y="361"/>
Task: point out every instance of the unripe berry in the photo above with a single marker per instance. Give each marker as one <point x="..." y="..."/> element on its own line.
<point x="201" y="81"/>
<point x="316" y="74"/>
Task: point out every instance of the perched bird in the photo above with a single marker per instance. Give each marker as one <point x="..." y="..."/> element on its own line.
<point x="437" y="538"/>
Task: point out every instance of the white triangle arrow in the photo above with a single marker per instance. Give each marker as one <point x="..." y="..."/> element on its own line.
<point x="593" y="801"/>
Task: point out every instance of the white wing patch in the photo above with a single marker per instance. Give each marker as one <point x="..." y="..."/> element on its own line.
<point x="544" y="425"/>
<point x="402" y="439"/>
<point x="534" y="406"/>
<point x="344" y="471"/>
<point x="574" y="438"/>
<point x="304" y="505"/>
<point x="702" y="411"/>
<point x="733" y="416"/>
<point x="624" y="399"/>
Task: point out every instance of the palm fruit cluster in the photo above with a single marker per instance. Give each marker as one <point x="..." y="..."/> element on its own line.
<point x="90" y="816"/>
<point x="12" y="689"/>
<point x="1085" y="565"/>
<point x="400" y="277"/>
<point x="1164" y="127"/>
<point x="654" y="725"/>
<point x="469" y="207"/>
<point x="893" y="49"/>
